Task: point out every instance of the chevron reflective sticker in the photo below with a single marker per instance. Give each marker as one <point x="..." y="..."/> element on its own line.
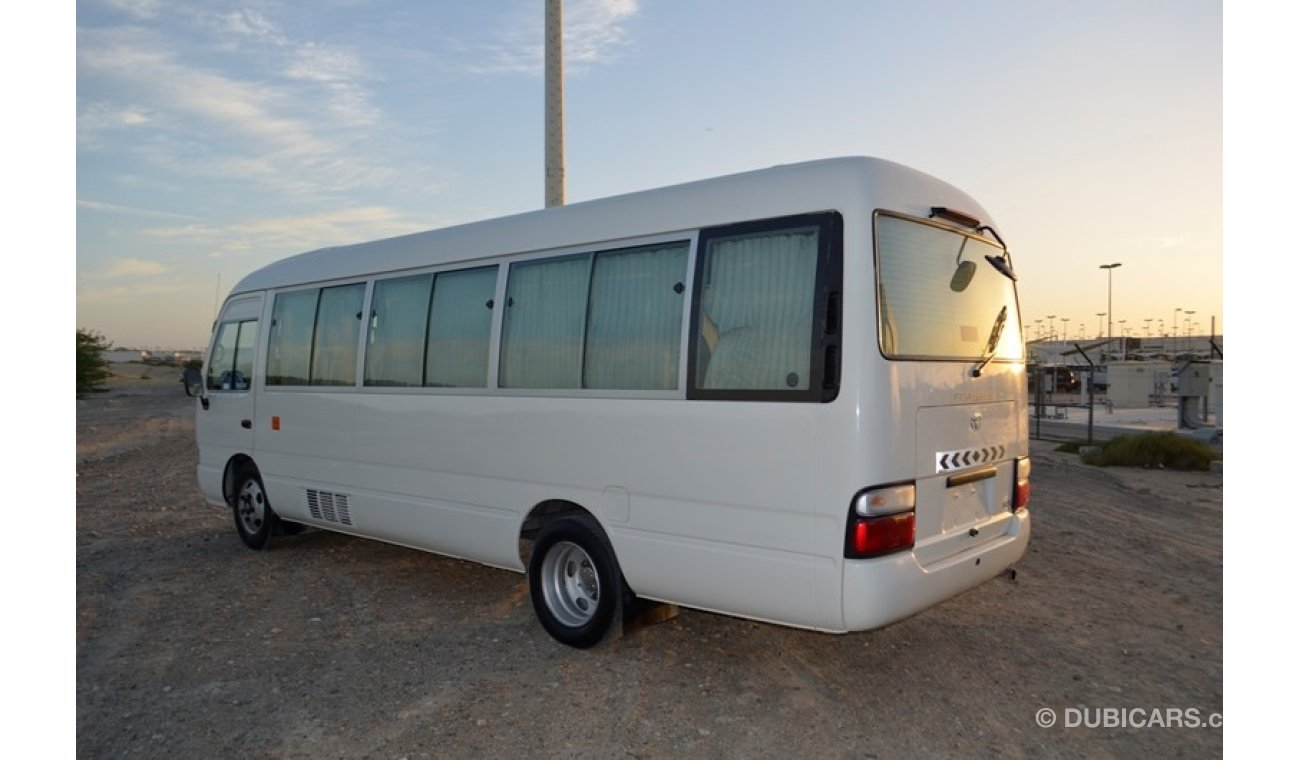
<point x="947" y="461"/>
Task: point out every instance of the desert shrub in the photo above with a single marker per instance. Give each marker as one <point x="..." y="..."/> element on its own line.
<point x="1166" y="450"/>
<point x="92" y="367"/>
<point x="1069" y="447"/>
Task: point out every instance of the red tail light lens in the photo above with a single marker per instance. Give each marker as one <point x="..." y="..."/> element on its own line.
<point x="1021" y="496"/>
<point x="874" y="536"/>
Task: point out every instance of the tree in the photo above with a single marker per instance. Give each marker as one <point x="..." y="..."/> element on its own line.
<point x="92" y="367"/>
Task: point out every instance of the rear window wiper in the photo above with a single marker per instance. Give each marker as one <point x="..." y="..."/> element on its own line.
<point x="999" y="262"/>
<point x="991" y="348"/>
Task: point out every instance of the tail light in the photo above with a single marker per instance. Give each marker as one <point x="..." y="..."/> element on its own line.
<point x="1021" y="496"/>
<point x="881" y="520"/>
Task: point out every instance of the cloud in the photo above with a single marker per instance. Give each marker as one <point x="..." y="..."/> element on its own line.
<point x="297" y="130"/>
<point x="247" y="22"/>
<point x="130" y="267"/>
<point x="595" y="33"/>
<point x="140" y="9"/>
<point x="132" y="293"/>
<point x="95" y="121"/>
<point x="341" y="74"/>
<point x="114" y="208"/>
<point x="282" y="235"/>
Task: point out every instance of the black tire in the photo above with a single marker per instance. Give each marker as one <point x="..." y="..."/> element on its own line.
<point x="575" y="583"/>
<point x="254" y="519"/>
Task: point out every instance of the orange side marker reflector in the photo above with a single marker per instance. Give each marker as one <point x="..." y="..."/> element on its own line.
<point x="275" y="422"/>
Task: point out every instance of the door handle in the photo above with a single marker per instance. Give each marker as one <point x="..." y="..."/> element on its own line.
<point x="246" y="424"/>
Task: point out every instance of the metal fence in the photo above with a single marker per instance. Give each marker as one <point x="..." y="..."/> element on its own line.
<point x="1054" y="390"/>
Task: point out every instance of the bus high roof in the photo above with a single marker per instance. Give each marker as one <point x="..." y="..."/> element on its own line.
<point x="753" y="194"/>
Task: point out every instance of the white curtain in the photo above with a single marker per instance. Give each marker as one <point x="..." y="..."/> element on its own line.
<point x="338" y="326"/>
<point x="460" y="328"/>
<point x="758" y="302"/>
<point x="635" y="318"/>
<point x="292" y="323"/>
<point x="398" y="312"/>
<point x="546" y="309"/>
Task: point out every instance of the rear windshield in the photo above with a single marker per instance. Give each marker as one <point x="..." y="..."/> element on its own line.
<point x="939" y="297"/>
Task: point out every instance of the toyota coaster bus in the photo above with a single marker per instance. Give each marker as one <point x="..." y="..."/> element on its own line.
<point x="795" y="395"/>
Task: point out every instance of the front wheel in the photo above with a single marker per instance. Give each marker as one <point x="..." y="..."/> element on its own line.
<point x="575" y="583"/>
<point x="253" y="516"/>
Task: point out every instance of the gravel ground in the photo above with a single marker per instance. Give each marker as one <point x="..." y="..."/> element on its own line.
<point x="190" y="645"/>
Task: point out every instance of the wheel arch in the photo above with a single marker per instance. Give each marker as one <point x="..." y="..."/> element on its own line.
<point x="546" y="512"/>
<point x="233" y="466"/>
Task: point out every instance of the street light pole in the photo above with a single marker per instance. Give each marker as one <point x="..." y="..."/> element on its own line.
<point x="1110" y="314"/>
<point x="553" y="131"/>
<point x="1100" y="325"/>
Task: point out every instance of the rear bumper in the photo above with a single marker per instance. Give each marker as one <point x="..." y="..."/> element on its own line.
<point x="883" y="590"/>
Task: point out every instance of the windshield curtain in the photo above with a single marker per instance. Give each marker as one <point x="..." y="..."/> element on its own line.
<point x="939" y="298"/>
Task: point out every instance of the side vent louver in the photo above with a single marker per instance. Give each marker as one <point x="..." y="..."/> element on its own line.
<point x="331" y="507"/>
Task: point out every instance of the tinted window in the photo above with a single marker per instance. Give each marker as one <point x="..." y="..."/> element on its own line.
<point x="399" y="311"/>
<point x="293" y="321"/>
<point x="338" y="326"/>
<point x="460" y="328"/>
<point x="314" y="336"/>
<point x="756" y="311"/>
<point x="939" y="296"/>
<point x="635" y="318"/>
<point x="546" y="311"/>
<point x="609" y="320"/>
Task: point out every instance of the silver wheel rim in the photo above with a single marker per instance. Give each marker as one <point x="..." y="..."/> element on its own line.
<point x="570" y="584"/>
<point x="250" y="507"/>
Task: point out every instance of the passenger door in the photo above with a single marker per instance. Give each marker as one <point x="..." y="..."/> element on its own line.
<point x="225" y="422"/>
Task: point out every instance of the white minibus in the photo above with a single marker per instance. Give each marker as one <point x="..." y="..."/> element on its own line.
<point x="794" y="395"/>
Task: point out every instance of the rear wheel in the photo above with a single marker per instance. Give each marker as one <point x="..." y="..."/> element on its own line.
<point x="574" y="581"/>
<point x="254" y="519"/>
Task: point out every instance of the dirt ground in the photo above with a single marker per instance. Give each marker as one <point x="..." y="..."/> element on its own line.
<point x="190" y="645"/>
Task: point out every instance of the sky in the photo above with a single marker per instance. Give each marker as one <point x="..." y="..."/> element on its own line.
<point x="215" y="137"/>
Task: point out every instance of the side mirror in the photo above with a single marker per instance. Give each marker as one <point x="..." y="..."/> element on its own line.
<point x="193" y="381"/>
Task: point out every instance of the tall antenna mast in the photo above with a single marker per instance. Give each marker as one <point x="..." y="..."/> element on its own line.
<point x="554" y="104"/>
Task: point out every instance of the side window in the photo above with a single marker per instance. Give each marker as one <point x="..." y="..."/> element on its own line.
<point x="314" y="336"/>
<point x="634" y="321"/>
<point x="763" y="316"/>
<point x="609" y="320"/>
<point x="432" y="330"/>
<point x="546" y="312"/>
<point x="398" y="312"/>
<point x="338" y="327"/>
<point x="230" y="367"/>
<point x="460" y="328"/>
<point x="293" y="320"/>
